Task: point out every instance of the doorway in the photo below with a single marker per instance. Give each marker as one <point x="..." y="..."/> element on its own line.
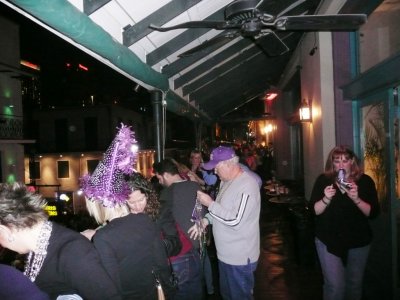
<point x="378" y="140"/>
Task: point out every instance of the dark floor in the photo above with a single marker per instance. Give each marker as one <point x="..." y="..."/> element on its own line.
<point x="287" y="268"/>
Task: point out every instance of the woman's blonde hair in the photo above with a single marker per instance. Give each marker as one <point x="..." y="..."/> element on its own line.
<point x="103" y="214"/>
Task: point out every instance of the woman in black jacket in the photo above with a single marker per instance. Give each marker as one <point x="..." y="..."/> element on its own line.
<point x="60" y="261"/>
<point x="130" y="244"/>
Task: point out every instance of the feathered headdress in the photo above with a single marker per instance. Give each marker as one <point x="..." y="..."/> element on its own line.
<point x="107" y="183"/>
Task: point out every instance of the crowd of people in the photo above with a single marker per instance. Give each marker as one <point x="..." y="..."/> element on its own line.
<point x="151" y="239"/>
<point x="153" y="236"/>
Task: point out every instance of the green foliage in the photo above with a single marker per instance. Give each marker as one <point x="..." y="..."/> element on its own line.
<point x="374" y="150"/>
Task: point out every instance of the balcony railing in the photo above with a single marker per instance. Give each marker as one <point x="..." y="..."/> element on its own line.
<point x="11" y="128"/>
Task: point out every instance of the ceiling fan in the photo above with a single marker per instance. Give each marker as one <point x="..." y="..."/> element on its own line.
<point x="245" y="18"/>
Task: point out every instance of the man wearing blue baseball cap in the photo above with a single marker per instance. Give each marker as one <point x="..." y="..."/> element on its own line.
<point x="235" y="218"/>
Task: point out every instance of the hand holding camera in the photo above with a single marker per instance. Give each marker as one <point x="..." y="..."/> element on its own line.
<point x="345" y="185"/>
<point x="341" y="180"/>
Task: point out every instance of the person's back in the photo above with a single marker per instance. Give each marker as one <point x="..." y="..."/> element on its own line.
<point x="184" y="200"/>
<point x="14" y="285"/>
<point x="129" y="241"/>
<point x="131" y="249"/>
<point x="70" y="259"/>
<point x="179" y="197"/>
<point x="59" y="261"/>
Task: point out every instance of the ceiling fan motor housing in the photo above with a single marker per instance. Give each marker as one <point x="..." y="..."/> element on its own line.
<point x="251" y="27"/>
<point x="240" y="10"/>
<point x="244" y="12"/>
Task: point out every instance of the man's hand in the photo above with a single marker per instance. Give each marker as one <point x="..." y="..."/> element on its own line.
<point x="204" y="198"/>
<point x="195" y="231"/>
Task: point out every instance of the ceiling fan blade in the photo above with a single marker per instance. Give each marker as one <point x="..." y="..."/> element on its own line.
<point x="214" y="43"/>
<point x="271" y="44"/>
<point x="348" y="22"/>
<point x="220" y="25"/>
<point x="259" y="3"/>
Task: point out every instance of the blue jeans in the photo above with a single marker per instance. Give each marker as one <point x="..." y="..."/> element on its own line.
<point x="236" y="282"/>
<point x="188" y="271"/>
<point x="340" y="281"/>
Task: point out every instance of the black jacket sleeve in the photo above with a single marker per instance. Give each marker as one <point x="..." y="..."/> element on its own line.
<point x="166" y="222"/>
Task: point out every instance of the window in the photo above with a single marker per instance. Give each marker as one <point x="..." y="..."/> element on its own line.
<point x="34" y="170"/>
<point x="91" y="165"/>
<point x="63" y="169"/>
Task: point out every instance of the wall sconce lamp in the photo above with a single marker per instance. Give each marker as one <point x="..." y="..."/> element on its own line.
<point x="270" y="96"/>
<point x="305" y="111"/>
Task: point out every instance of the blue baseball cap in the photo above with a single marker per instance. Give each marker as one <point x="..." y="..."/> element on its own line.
<point x="219" y="154"/>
